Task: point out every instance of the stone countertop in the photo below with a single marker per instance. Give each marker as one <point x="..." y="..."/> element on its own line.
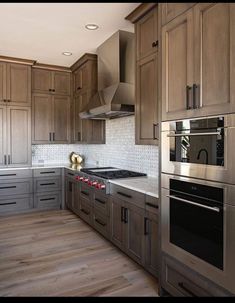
<point x="74" y="167"/>
<point x="146" y="185"/>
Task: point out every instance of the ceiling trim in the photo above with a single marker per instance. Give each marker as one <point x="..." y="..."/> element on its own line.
<point x="52" y="67"/>
<point x="17" y="60"/>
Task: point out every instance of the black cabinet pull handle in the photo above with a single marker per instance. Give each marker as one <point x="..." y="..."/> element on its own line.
<point x="70" y="174"/>
<point x="124" y="195"/>
<point x="50" y="89"/>
<point x="85" y="211"/>
<point x="47" y="199"/>
<point x="7" y="175"/>
<point x="146" y="232"/>
<point x="53" y="136"/>
<point x="100" y="201"/>
<point x="155" y="44"/>
<point x="196" y="96"/>
<point x="79" y="136"/>
<point x="47" y="172"/>
<point x="9" y="159"/>
<point x="49" y="136"/>
<point x="42" y="184"/>
<point x="53" y="90"/>
<point x="79" y="88"/>
<point x="122" y="214"/>
<point x="5" y="187"/>
<point x="151" y="205"/>
<point x="99" y="222"/>
<point x="154" y="131"/>
<point x="7" y="203"/>
<point x="188" y="89"/>
<point x="84" y="193"/>
<point x="125" y="215"/>
<point x="5" y="159"/>
<point x="181" y="285"/>
<point x="70" y="186"/>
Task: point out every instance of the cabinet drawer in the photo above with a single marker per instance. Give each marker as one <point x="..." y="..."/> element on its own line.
<point x="17" y="204"/>
<point x="21" y="186"/>
<point x="85" y="211"/>
<point x="128" y="195"/>
<point x="101" y="204"/>
<point x="152" y="204"/>
<point x="46" y="172"/>
<point x="179" y="281"/>
<point x="47" y="201"/>
<point x="48" y="184"/>
<point x="15" y="174"/>
<point x="86" y="193"/>
<point x="101" y="223"/>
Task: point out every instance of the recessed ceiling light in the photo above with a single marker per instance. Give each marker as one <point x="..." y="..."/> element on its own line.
<point x="67" y="53"/>
<point x="91" y="26"/>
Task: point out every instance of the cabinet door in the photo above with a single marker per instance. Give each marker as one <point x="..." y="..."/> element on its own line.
<point x="42" y="80"/>
<point x="3" y="151"/>
<point x="61" y="113"/>
<point x="19" y="84"/>
<point x="81" y="79"/>
<point x="171" y="10"/>
<point x="77" y="128"/>
<point x="214" y="58"/>
<point x="76" y="198"/>
<point x="42" y="119"/>
<point x="3" y="82"/>
<point x="147" y="34"/>
<point x="151" y="243"/>
<point x="85" y="124"/>
<point x="19" y="136"/>
<point x="134" y="231"/>
<point x="61" y="83"/>
<point x="69" y="196"/>
<point x="147" y="101"/>
<point x="117" y="225"/>
<point x="177" y="67"/>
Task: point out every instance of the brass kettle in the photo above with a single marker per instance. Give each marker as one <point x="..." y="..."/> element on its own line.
<point x="75" y="158"/>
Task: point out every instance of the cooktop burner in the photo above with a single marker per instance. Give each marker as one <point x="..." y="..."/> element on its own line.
<point x="111" y="172"/>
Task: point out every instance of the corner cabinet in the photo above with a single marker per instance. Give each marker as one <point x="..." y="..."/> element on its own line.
<point x="145" y="18"/>
<point x="198" y="62"/>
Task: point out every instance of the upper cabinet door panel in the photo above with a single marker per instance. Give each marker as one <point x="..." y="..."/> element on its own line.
<point x="61" y="83"/>
<point x="3" y="82"/>
<point x="147" y="34"/>
<point x="81" y="79"/>
<point x="19" y="84"/>
<point x="171" y="10"/>
<point x="42" y="80"/>
<point x="2" y="135"/>
<point x="214" y="40"/>
<point x="61" y="114"/>
<point x="177" y="66"/>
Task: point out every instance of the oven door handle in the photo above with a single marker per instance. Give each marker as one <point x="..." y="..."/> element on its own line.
<point x="195" y="134"/>
<point x="194" y="203"/>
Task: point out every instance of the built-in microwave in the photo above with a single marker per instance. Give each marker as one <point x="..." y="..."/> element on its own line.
<point x="198" y="226"/>
<point x="200" y="148"/>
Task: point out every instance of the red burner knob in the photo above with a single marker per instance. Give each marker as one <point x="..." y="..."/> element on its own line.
<point x="81" y="178"/>
<point x="94" y="183"/>
<point x="86" y="180"/>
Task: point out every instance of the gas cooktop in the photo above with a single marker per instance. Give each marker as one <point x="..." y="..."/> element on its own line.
<point x="111" y="172"/>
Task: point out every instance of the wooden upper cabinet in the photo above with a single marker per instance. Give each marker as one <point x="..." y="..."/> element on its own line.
<point x="81" y="79"/>
<point x="61" y="112"/>
<point x="177" y="66"/>
<point x="15" y="84"/>
<point x="77" y="127"/>
<point x="147" y="101"/>
<point x="19" y="136"/>
<point x="169" y="11"/>
<point x="147" y="34"/>
<point x="49" y="81"/>
<point x="3" y="151"/>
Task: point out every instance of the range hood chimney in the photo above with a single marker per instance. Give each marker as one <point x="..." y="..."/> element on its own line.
<point x="115" y="96"/>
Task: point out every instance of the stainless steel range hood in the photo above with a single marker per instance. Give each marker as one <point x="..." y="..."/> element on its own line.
<point x="115" y="96"/>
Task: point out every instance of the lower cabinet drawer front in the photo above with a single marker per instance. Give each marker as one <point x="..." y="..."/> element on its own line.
<point x="47" y="201"/>
<point x="86" y="211"/>
<point x="101" y="204"/>
<point x="49" y="184"/>
<point x="12" y="205"/>
<point x="46" y="172"/>
<point x="19" y="187"/>
<point x="101" y="223"/>
<point x="15" y="174"/>
<point x="86" y="193"/>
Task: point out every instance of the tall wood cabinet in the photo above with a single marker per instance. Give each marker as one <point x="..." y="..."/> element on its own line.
<point x="84" y="87"/>
<point x="145" y="18"/>
<point x="198" y="64"/>
<point x="51" y="106"/>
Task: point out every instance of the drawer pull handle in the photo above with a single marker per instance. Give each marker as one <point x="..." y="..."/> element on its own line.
<point x="124" y="195"/>
<point x="125" y="215"/>
<point x="5" y="187"/>
<point x="152" y="205"/>
<point x="146" y="230"/>
<point x="7" y="203"/>
<point x="100" y="201"/>
<point x="85" y="211"/>
<point x="181" y="285"/>
<point x="99" y="222"/>
<point x="84" y="193"/>
<point x="47" y="199"/>
<point x="6" y="175"/>
<point x="122" y="214"/>
<point x="70" y="174"/>
<point x="47" y="172"/>
<point x="42" y="184"/>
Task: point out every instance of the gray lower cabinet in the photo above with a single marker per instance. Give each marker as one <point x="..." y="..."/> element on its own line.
<point x="182" y="282"/>
<point x="50" y="200"/>
<point x="70" y="185"/>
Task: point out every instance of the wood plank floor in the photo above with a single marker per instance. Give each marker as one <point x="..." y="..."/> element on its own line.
<point x="54" y="253"/>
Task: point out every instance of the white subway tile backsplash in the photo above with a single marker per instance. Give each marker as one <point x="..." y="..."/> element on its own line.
<point x="120" y="150"/>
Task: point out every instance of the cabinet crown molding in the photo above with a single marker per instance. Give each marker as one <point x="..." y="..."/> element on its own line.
<point x="141" y="10"/>
<point x="17" y="60"/>
<point x="82" y="60"/>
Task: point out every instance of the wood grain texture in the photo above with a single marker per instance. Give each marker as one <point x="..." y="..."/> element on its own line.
<point x="171" y="10"/>
<point x="54" y="253"/>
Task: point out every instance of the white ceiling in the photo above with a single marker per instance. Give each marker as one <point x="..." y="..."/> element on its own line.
<point x="42" y="31"/>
